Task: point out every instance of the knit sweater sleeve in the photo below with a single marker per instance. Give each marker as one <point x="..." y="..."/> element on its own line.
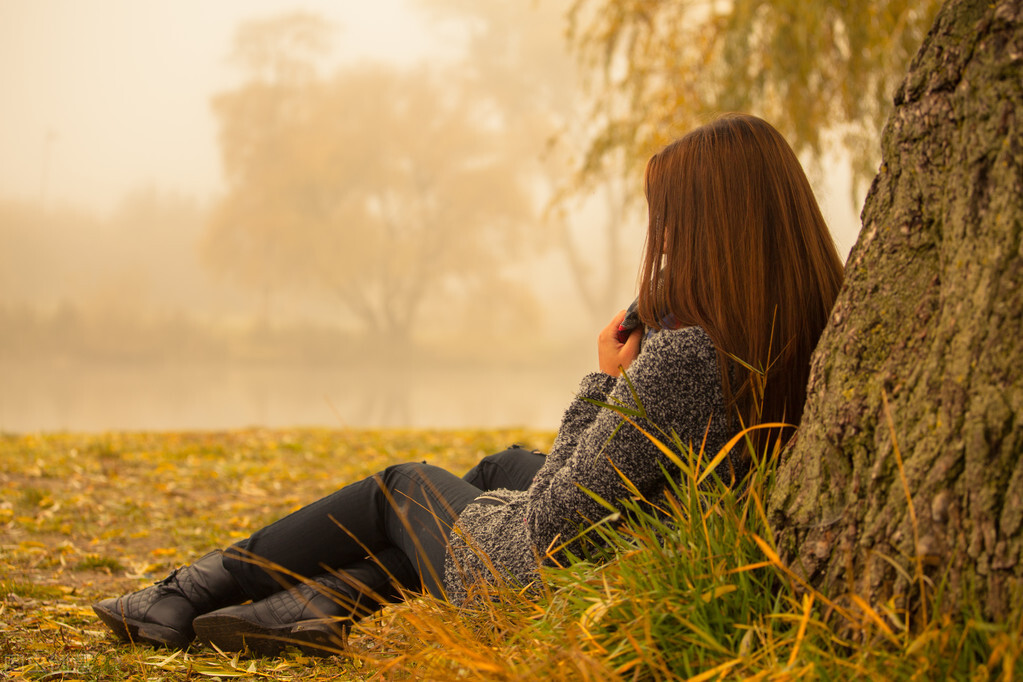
<point x="676" y="380"/>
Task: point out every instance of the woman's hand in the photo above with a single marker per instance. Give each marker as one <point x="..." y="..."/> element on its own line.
<point x="614" y="356"/>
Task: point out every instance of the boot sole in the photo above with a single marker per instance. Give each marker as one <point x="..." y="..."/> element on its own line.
<point x="231" y="633"/>
<point x="136" y="632"/>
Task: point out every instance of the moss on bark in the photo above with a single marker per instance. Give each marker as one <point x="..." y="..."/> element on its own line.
<point x="931" y="320"/>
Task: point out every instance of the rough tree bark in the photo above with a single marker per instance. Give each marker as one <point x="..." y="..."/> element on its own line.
<point x="931" y="321"/>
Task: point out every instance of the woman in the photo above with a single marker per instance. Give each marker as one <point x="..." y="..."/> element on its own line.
<point x="737" y="283"/>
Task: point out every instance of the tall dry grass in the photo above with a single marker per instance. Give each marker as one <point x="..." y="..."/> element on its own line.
<point x="687" y="588"/>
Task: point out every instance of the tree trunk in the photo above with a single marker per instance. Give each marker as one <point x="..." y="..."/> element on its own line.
<point x="916" y="389"/>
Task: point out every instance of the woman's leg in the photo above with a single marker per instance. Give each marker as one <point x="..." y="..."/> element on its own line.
<point x="410" y="506"/>
<point x="315" y="615"/>
<point x="162" y="614"/>
<point x="512" y="469"/>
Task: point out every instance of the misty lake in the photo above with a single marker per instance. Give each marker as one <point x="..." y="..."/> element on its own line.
<point x="40" y="396"/>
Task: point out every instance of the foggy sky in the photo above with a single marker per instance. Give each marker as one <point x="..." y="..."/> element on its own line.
<point x="102" y="96"/>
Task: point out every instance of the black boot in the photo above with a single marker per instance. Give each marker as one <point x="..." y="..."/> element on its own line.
<point x="313" y="616"/>
<point x="162" y="615"/>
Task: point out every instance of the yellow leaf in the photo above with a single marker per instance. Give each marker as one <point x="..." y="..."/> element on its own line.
<point x="715" y="671"/>
<point x="718" y="591"/>
<point x="723" y="452"/>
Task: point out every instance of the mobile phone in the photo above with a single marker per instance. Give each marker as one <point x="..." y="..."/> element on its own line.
<point x="630" y="322"/>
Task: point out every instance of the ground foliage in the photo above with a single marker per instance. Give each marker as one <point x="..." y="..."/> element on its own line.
<point x="83" y="517"/>
<point x="696" y="589"/>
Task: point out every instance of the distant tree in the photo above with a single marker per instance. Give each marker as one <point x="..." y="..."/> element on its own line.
<point x="376" y="186"/>
<point x="518" y="61"/>
<point x="96" y="288"/>
<point x="819" y="70"/>
<point x="905" y="479"/>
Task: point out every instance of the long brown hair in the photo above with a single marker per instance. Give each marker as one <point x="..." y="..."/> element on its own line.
<point x="737" y="245"/>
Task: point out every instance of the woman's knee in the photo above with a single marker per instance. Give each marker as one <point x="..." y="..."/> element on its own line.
<point x="396" y="475"/>
<point x="490" y="467"/>
<point x="512" y="468"/>
<point x="503" y="458"/>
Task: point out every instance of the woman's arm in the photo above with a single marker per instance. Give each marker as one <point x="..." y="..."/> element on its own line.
<point x="612" y="355"/>
<point x="676" y="380"/>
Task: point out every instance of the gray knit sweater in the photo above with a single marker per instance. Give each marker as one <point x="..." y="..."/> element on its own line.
<point x="507" y="532"/>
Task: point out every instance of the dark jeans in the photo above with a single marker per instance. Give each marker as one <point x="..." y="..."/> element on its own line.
<point x="410" y="507"/>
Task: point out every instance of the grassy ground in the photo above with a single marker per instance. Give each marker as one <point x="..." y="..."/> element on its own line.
<point x="695" y="591"/>
<point x="84" y="517"/>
